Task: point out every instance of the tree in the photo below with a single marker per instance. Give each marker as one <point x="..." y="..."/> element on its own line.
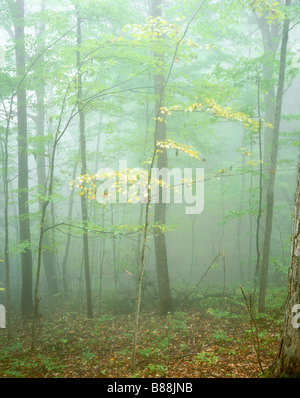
<point x="270" y="33"/>
<point x="272" y="165"/>
<point x="17" y="9"/>
<point x="288" y="360"/>
<point x="68" y="243"/>
<point x="5" y="156"/>
<point x="83" y="200"/>
<point x="165" y="297"/>
<point x="39" y="119"/>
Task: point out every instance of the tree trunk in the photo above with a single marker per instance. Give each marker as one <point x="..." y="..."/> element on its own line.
<point x="51" y="278"/>
<point x="272" y="168"/>
<point x="5" y="153"/>
<point x="68" y="243"/>
<point x="240" y="222"/>
<point x="26" y="256"/>
<point x="83" y="199"/>
<point x="165" y="298"/>
<point x="270" y="37"/>
<point x="288" y="361"/>
<point x="48" y="262"/>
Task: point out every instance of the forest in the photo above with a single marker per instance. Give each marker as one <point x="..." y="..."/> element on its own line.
<point x="150" y="189"/>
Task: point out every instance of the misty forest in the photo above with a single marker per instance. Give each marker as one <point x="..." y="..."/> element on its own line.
<point x="150" y="189"/>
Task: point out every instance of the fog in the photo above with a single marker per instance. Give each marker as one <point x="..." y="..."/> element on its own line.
<point x="188" y="87"/>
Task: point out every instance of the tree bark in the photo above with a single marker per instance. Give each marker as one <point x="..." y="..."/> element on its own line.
<point x="165" y="297"/>
<point x="288" y="360"/>
<point x="41" y="164"/>
<point x="68" y="243"/>
<point x="48" y="262"/>
<point x="83" y="200"/>
<point x="5" y="154"/>
<point x="26" y="256"/>
<point x="272" y="167"/>
<point x="270" y="38"/>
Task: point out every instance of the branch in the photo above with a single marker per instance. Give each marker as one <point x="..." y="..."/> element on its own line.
<point x="179" y="41"/>
<point x="212" y="263"/>
<point x="38" y="57"/>
<point x="254" y="333"/>
<point x="297" y="23"/>
<point x="111" y="233"/>
<point x="8" y="30"/>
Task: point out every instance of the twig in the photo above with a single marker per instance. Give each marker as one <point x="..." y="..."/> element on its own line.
<point x="254" y="332"/>
<point x="202" y="277"/>
<point x="260" y="189"/>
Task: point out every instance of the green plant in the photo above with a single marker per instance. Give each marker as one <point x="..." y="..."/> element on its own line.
<point x="88" y="355"/>
<point x="156" y="370"/>
<point x="11" y="349"/>
<point x="220" y="314"/>
<point x="50" y="364"/>
<point x="126" y="351"/>
<point x="104" y="318"/>
<point x="184" y="346"/>
<point x="152" y="352"/>
<point x="177" y="321"/>
<point x="205" y="357"/>
<point x="221" y="335"/>
<point x="136" y="374"/>
<point x="14" y="373"/>
<point x="59" y="344"/>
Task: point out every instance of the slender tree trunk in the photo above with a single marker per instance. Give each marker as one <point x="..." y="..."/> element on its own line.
<point x="142" y="269"/>
<point x="41" y="164"/>
<point x="26" y="256"/>
<point x="270" y="38"/>
<point x="165" y="297"/>
<point x="95" y="213"/>
<point x="288" y="361"/>
<point x="47" y="255"/>
<point x="250" y="225"/>
<point x="83" y="200"/>
<point x="68" y="243"/>
<point x="272" y="169"/>
<point x="101" y="262"/>
<point x="139" y="241"/>
<point x="240" y="222"/>
<point x="114" y="253"/>
<point x="192" y="247"/>
<point x="5" y="154"/>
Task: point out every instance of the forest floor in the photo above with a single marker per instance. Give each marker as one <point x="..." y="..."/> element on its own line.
<point x="208" y="342"/>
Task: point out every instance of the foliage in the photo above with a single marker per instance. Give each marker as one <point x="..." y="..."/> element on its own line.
<point x="206" y="358"/>
<point x="189" y="343"/>
<point x="211" y="66"/>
